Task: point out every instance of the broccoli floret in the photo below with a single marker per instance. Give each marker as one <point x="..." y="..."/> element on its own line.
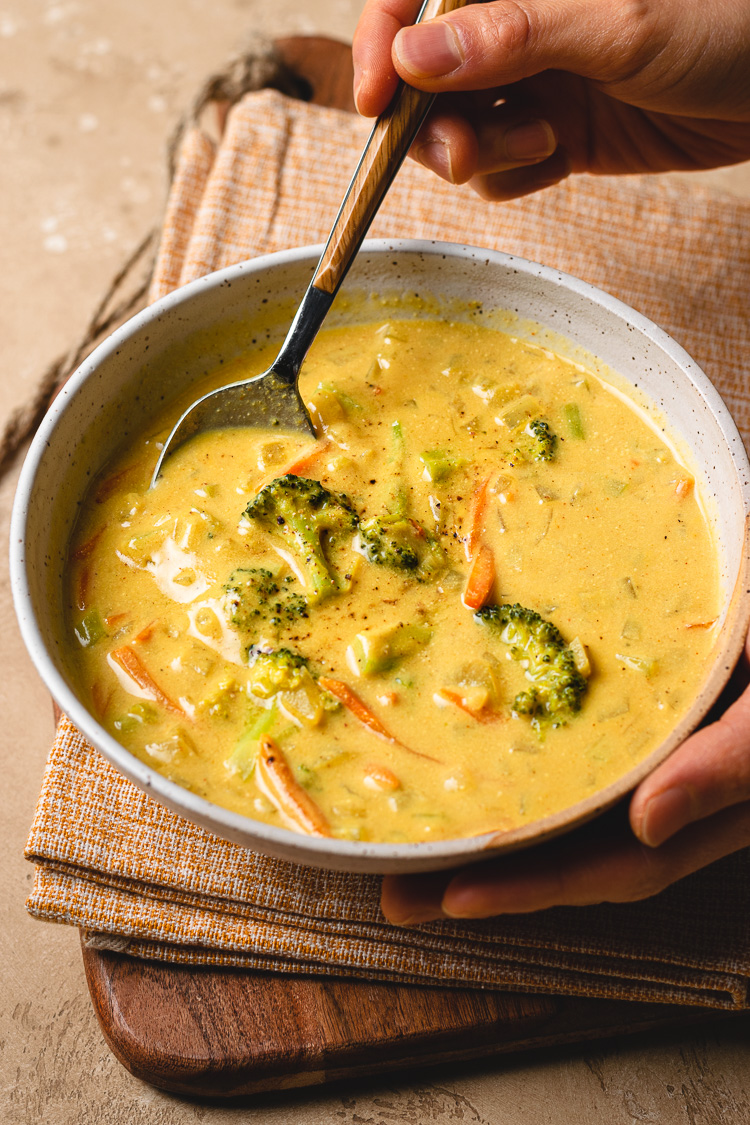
<point x="389" y="541"/>
<point x="288" y="609"/>
<point x="308" y="517"/>
<point x="558" y="687"/>
<point x="538" y="442"/>
<point x="253" y="594"/>
<point x="249" y="592"/>
<point x="401" y="544"/>
<point x="272" y="672"/>
<point x="285" y="678"/>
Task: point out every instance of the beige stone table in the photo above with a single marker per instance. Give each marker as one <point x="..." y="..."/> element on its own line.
<point x="89" y="92"/>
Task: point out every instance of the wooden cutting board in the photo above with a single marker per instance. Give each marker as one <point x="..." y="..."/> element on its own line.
<point x="226" y="1033"/>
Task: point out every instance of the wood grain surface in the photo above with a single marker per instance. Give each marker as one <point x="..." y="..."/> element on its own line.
<point x="222" y="1033"/>
<point x="228" y="1033"/>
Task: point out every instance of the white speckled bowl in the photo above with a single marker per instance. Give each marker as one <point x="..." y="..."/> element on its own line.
<point x="114" y="392"/>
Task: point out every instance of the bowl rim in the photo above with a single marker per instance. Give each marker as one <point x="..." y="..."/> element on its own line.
<point x="327" y="851"/>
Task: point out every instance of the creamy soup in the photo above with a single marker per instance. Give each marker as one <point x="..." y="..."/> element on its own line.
<point x="485" y="592"/>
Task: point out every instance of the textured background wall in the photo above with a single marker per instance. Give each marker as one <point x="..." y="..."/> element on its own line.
<point x="89" y="92"/>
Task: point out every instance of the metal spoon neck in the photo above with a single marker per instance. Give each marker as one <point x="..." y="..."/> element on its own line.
<point x="304" y="328"/>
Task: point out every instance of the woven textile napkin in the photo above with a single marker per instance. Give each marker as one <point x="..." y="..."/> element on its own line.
<point x="139" y="878"/>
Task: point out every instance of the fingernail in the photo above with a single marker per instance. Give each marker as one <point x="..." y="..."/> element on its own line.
<point x="357" y="83"/>
<point x="436" y="156"/>
<point x="429" y="49"/>
<point x="458" y="903"/>
<point x="665" y="814"/>
<point x="532" y="141"/>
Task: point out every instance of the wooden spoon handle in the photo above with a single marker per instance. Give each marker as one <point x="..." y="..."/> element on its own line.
<point x="384" y="153"/>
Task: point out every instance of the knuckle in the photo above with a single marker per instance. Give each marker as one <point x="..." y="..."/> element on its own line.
<point x="504" y="28"/>
<point x="637" y="35"/>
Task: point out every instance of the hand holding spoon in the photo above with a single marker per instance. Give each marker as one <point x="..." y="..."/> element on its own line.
<point x="273" y="398"/>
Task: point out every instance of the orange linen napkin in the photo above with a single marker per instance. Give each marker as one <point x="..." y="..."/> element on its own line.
<point x="137" y="877"/>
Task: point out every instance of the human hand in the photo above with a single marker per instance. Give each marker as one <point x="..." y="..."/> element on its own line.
<point x="535" y="89"/>
<point x="694" y="809"/>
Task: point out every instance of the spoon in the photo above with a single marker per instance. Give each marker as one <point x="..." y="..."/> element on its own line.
<point x="273" y="399"/>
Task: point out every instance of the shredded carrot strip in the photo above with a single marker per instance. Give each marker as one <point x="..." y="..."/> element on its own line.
<point x="476" y="517"/>
<point x="146" y="633"/>
<point x="701" y="624"/>
<point x="82" y="587"/>
<point x="307" y="459"/>
<point x="115" y="619"/>
<point x="130" y="662"/>
<point x="86" y="548"/>
<point x="481" y="578"/>
<point x="341" y="691"/>
<point x="457" y="701"/>
<point x="101" y="699"/>
<point x="282" y="788"/>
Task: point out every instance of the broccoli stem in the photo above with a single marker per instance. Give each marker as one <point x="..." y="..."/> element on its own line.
<point x="558" y="687"/>
<point x="309" y="518"/>
<point x="243" y="758"/>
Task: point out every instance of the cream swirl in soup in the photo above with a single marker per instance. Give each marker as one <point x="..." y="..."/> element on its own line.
<point x="484" y="593"/>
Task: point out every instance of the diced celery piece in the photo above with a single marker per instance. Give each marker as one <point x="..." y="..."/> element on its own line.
<point x="126" y="723"/>
<point x="629" y="588"/>
<point x="304" y="704"/>
<point x="580" y="656"/>
<point x="615" y="487"/>
<point x="638" y="663"/>
<point x="332" y="404"/>
<point x="306" y="776"/>
<point x="174" y="746"/>
<point x="345" y="399"/>
<point x="90" y="629"/>
<point x="141" y="548"/>
<point x="378" y="650"/>
<point x="140" y="713"/>
<point x="438" y="464"/>
<point x="519" y="412"/>
<point x="573" y="418"/>
<point x="219" y="702"/>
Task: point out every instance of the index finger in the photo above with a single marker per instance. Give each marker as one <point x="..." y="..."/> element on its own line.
<point x="375" y="77"/>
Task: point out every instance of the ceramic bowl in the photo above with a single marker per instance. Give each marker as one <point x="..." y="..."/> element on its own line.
<point x="112" y="395"/>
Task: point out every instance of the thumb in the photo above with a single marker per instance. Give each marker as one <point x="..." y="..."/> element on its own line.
<point x="494" y="44"/>
<point x="709" y="772"/>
